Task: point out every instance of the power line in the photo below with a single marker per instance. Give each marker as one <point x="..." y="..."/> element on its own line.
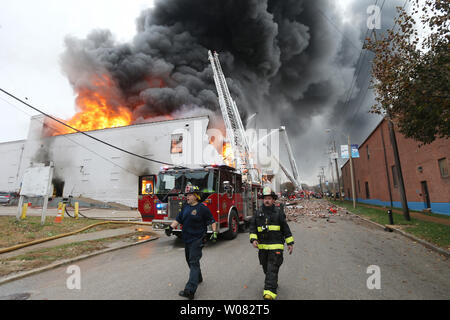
<point x="87" y="135"/>
<point x="359" y="64"/>
<point x="354" y="80"/>
<point x="79" y="144"/>
<point x="366" y="90"/>
<point x="351" y="123"/>
<point x="337" y="28"/>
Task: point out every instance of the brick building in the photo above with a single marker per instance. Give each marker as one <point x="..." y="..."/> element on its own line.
<point x="425" y="172"/>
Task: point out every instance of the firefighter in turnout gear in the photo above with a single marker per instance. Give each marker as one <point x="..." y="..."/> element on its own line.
<point x="194" y="217"/>
<point x="268" y="232"/>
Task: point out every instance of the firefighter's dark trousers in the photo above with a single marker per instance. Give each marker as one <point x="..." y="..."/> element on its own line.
<point x="193" y="252"/>
<point x="271" y="261"/>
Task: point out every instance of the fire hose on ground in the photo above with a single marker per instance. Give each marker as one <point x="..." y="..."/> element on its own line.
<point x="22" y="245"/>
<point x="100" y="218"/>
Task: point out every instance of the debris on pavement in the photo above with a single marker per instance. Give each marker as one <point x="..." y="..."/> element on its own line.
<point x="317" y="208"/>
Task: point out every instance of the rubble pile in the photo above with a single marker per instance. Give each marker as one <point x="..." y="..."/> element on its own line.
<point x="317" y="208"/>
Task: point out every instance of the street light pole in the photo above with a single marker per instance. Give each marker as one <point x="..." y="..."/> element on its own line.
<point x="323" y="177"/>
<point x="399" y="170"/>
<point x="332" y="178"/>
<point x="337" y="171"/>
<point x="351" y="171"/>
<point x="386" y="167"/>
<point x="320" y="183"/>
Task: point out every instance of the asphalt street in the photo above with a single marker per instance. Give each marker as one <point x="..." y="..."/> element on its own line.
<point x="330" y="261"/>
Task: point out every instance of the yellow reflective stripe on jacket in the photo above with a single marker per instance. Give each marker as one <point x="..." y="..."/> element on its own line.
<point x="271" y="246"/>
<point x="270" y="293"/>
<point x="270" y="228"/>
<point x="253" y="236"/>
<point x="289" y="240"/>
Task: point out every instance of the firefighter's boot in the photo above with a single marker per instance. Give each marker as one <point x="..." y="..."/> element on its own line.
<point x="186" y="294"/>
<point x="268" y="297"/>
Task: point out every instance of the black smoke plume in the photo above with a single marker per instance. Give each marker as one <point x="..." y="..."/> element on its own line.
<point x="288" y="60"/>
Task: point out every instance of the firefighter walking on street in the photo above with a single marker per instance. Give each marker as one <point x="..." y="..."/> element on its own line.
<point x="268" y="233"/>
<point x="195" y="218"/>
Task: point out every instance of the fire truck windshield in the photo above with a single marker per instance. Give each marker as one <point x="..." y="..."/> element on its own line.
<point x="175" y="182"/>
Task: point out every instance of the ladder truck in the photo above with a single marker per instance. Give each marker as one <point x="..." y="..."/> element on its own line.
<point x="230" y="193"/>
<point x="233" y="124"/>
<point x="293" y="179"/>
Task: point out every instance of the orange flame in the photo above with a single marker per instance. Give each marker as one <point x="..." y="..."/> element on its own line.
<point x="96" y="109"/>
<point x="228" y="155"/>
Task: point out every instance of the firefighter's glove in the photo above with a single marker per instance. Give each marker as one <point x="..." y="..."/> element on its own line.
<point x="213" y="237"/>
<point x="168" y="231"/>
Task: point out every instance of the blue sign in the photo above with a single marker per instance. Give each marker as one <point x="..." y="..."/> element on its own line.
<point x="344" y="151"/>
<point x="355" y="152"/>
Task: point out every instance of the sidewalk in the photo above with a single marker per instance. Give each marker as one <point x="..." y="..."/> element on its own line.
<point x="115" y="245"/>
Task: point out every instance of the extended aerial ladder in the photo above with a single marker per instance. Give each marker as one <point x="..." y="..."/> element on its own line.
<point x="285" y="170"/>
<point x="293" y="179"/>
<point x="233" y="124"/>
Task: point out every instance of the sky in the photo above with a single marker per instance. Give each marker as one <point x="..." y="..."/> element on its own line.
<point x="32" y="40"/>
<point x="32" y="37"/>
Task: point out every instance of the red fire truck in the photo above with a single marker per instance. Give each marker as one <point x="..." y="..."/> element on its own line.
<point x="231" y="201"/>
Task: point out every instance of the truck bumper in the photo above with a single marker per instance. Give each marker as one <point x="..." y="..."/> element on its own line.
<point x="161" y="224"/>
<point x="158" y="224"/>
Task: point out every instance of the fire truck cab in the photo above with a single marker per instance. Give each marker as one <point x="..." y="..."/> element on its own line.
<point x="230" y="200"/>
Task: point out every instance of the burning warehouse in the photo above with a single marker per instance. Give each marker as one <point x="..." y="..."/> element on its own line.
<point x="86" y="168"/>
<point x="156" y="97"/>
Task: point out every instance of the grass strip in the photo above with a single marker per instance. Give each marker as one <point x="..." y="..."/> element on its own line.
<point x="13" y="231"/>
<point x="432" y="232"/>
<point x="42" y="257"/>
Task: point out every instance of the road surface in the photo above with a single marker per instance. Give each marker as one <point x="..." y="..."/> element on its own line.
<point x="330" y="261"/>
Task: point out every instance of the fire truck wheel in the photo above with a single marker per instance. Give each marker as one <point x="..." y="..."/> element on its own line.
<point x="243" y="227"/>
<point x="178" y="234"/>
<point x="233" y="225"/>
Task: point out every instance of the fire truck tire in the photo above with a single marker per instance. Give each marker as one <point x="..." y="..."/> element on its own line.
<point x="178" y="235"/>
<point x="243" y="227"/>
<point x="233" y="225"/>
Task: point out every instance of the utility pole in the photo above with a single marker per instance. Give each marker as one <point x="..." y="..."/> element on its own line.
<point x="351" y="171"/>
<point x="399" y="170"/>
<point x="320" y="183"/>
<point x="323" y="177"/>
<point x="386" y="167"/>
<point x="337" y="171"/>
<point x="332" y="178"/>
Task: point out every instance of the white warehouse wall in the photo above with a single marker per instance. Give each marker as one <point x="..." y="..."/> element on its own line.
<point x="93" y="170"/>
<point x="10" y="155"/>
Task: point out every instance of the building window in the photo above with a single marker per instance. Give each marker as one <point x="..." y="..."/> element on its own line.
<point x="443" y="167"/>
<point x="359" y="188"/>
<point x="176" y="144"/>
<point x="368" y="154"/>
<point x="394" y="176"/>
<point x="147" y="184"/>
<point x="367" y="190"/>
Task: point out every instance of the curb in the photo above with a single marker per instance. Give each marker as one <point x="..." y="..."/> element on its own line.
<point x="67" y="261"/>
<point x="391" y="228"/>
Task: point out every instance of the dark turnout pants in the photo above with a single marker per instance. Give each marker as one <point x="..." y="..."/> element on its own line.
<point x="193" y="252"/>
<point x="271" y="261"/>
